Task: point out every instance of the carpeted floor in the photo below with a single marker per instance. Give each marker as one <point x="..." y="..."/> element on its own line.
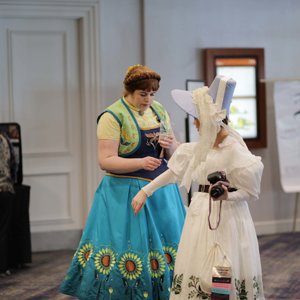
<point x="280" y="255"/>
<point x="40" y="280"/>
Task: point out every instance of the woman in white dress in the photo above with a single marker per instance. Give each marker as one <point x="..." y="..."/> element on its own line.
<point x="218" y="255"/>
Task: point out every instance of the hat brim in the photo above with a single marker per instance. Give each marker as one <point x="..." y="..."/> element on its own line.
<point x="184" y="100"/>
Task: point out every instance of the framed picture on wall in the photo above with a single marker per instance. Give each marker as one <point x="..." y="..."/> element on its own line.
<point x="248" y="108"/>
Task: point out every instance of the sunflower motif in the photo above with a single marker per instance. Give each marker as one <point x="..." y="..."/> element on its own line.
<point x="104" y="261"/>
<point x="156" y="264"/>
<point x="145" y="294"/>
<point x="130" y="266"/>
<point x="84" y="254"/>
<point x="170" y="255"/>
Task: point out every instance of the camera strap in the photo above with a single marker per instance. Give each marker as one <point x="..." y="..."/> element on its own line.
<point x="209" y="214"/>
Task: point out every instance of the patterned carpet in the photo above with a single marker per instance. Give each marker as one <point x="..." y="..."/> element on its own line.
<point x="280" y="255"/>
<point x="40" y="280"/>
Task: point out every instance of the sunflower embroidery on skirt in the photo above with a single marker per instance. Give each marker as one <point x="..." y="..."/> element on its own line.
<point x="130" y="265"/>
<point x="170" y="255"/>
<point x="156" y="264"/>
<point x="105" y="259"/>
<point x="84" y="254"/>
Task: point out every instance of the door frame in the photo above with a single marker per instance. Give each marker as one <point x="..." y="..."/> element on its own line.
<point x="87" y="15"/>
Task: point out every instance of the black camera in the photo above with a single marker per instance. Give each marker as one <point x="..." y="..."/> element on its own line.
<point x="217" y="190"/>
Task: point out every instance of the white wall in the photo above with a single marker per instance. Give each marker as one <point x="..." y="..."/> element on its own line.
<point x="169" y="36"/>
<point x="120" y="44"/>
<point x="60" y="37"/>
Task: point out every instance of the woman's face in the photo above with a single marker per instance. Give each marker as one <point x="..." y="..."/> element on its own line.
<point x="142" y="99"/>
<point x="196" y="123"/>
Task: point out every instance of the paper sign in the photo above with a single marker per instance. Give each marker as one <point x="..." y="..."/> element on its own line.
<point x="287" y="118"/>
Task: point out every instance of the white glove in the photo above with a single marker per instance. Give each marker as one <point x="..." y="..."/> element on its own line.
<point x="140" y="198"/>
<point x="163" y="179"/>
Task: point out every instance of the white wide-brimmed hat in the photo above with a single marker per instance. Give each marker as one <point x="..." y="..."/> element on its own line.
<point x="222" y="88"/>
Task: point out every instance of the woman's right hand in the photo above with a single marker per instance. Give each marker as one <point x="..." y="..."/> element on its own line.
<point x="138" y="202"/>
<point x="150" y="163"/>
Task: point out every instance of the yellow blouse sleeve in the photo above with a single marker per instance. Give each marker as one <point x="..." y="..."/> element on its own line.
<point x="108" y="128"/>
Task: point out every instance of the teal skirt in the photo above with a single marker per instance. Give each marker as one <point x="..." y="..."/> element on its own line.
<point x="122" y="256"/>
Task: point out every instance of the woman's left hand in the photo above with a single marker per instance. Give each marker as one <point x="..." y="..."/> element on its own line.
<point x="138" y="201"/>
<point x="169" y="144"/>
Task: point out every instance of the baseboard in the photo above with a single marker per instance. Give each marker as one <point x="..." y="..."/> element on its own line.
<point x="55" y="240"/>
<point x="275" y="227"/>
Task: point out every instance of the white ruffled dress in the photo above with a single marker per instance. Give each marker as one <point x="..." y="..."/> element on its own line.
<point x="234" y="243"/>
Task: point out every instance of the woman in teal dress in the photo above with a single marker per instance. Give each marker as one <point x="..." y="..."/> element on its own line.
<point x="122" y="256"/>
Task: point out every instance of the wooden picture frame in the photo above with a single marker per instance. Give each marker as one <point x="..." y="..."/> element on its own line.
<point x="248" y="109"/>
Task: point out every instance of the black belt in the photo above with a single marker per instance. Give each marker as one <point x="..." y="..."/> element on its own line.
<point x="203" y="188"/>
